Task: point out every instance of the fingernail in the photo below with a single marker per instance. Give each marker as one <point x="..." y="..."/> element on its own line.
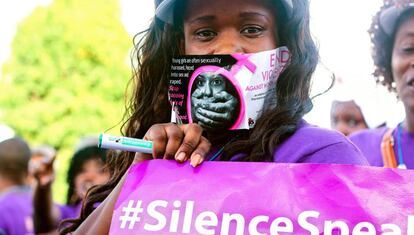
<point x="196" y="160"/>
<point x="181" y="157"/>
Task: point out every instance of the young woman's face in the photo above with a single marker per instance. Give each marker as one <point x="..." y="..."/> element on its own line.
<point x="92" y="173"/>
<point x="229" y="26"/>
<point x="403" y="62"/>
<point x="347" y="118"/>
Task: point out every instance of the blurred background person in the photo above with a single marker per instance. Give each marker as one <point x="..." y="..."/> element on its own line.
<point x="15" y="194"/>
<point x="392" y="35"/>
<point x="40" y="155"/>
<point x="347" y="117"/>
<point x="349" y="112"/>
<point x="86" y="169"/>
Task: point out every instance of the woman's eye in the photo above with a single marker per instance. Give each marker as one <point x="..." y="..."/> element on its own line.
<point x="217" y="82"/>
<point x="253" y="30"/>
<point x="408" y="49"/>
<point x="205" y="34"/>
<point x="352" y="122"/>
<point x="200" y="83"/>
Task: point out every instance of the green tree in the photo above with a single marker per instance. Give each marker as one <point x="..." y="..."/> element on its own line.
<point x="67" y="75"/>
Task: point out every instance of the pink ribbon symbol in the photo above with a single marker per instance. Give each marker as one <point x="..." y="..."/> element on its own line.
<point x="242" y="60"/>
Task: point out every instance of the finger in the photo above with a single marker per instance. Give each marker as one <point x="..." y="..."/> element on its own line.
<point x="216" y="107"/>
<point x="158" y="136"/>
<point x="38" y="170"/>
<point x="197" y="94"/>
<point x="34" y="167"/>
<point x="192" y="134"/>
<point x="206" y="121"/>
<point x="175" y="136"/>
<point x="140" y="157"/>
<point x="222" y="107"/>
<point x="223" y="96"/>
<point x="214" y="115"/>
<point x="199" y="154"/>
<point x="197" y="102"/>
<point x="48" y="162"/>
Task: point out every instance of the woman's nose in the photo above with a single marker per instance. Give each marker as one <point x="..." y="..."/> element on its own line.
<point x="343" y="128"/>
<point x="207" y="89"/>
<point x="90" y="175"/>
<point x="228" y="42"/>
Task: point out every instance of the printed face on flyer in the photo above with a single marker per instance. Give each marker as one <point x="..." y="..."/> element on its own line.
<point x="224" y="92"/>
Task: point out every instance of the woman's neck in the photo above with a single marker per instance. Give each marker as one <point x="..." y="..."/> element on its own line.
<point x="6" y="184"/>
<point x="409" y="121"/>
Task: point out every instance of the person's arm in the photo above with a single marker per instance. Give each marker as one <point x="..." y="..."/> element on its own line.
<point x="45" y="213"/>
<point x="99" y="221"/>
<point x="180" y="142"/>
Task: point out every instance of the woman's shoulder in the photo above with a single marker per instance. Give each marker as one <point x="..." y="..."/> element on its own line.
<point x="313" y="144"/>
<point x="368" y="135"/>
<point x="369" y="142"/>
<point x="69" y="211"/>
<point x="314" y="137"/>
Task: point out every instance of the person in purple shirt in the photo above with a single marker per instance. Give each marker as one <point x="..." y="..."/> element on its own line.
<point x="331" y="147"/>
<point x="392" y="33"/>
<point x="86" y="169"/>
<point x="15" y="195"/>
<point x="211" y="27"/>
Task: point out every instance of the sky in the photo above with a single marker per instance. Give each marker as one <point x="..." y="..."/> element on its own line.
<point x="338" y="26"/>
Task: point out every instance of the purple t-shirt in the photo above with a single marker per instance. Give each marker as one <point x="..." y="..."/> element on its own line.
<point x="16" y="211"/>
<point x="69" y="211"/>
<point x="369" y="142"/>
<point x="312" y="144"/>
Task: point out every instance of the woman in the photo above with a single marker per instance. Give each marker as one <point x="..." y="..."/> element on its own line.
<point x="392" y="36"/>
<point x="86" y="169"/>
<point x="203" y="27"/>
<point x="347" y="117"/>
<point x="15" y="195"/>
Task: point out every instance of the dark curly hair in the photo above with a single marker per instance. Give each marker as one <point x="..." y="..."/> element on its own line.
<point x="76" y="167"/>
<point x="149" y="103"/>
<point x="382" y="44"/>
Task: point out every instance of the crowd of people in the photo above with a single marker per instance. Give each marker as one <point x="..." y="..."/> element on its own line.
<point x="281" y="135"/>
<point x="27" y="175"/>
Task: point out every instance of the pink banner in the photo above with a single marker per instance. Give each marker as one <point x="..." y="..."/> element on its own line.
<point x="164" y="197"/>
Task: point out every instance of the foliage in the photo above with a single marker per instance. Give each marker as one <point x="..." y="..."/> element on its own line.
<point x="67" y="75"/>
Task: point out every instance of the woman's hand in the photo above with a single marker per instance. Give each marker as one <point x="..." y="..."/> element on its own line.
<point x="42" y="169"/>
<point x="179" y="142"/>
<point x="221" y="112"/>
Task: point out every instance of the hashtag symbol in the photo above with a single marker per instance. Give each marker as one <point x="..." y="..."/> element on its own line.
<point x="131" y="214"/>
